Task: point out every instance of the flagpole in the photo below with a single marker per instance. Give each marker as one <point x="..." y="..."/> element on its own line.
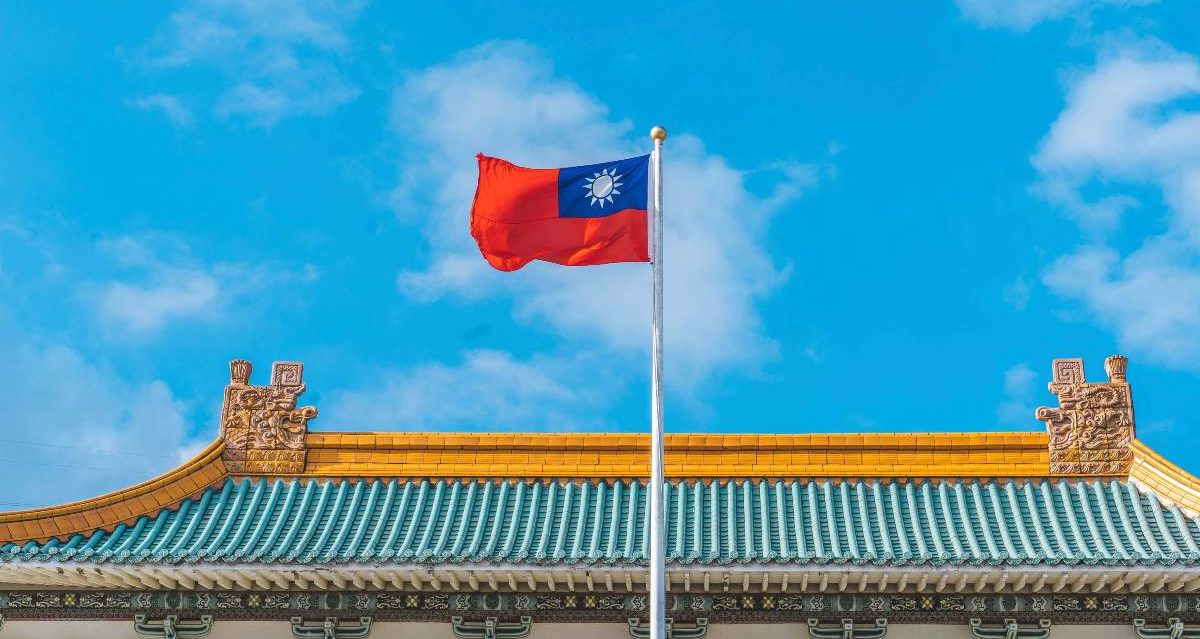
<point x="658" y="563"/>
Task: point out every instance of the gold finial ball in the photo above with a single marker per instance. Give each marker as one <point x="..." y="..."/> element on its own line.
<point x="658" y="133"/>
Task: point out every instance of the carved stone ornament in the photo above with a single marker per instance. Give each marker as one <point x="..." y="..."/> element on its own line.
<point x="1092" y="429"/>
<point x="170" y="627"/>
<point x="263" y="429"/>
<point x="331" y="628"/>
<point x="697" y="630"/>
<point x="1009" y="629"/>
<point x="848" y="629"/>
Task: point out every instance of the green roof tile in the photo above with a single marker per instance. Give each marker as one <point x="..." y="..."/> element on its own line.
<point x="546" y="522"/>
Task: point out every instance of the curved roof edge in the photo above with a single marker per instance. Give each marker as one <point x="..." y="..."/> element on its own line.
<point x="204" y="470"/>
<point x="1170" y="482"/>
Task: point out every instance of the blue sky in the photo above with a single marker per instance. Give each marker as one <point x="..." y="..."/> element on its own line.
<point x="884" y="218"/>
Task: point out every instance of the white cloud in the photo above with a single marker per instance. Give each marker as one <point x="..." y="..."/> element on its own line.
<point x="1119" y="121"/>
<point x="505" y="99"/>
<point x="1150" y="298"/>
<point x="1125" y="128"/>
<point x="72" y="429"/>
<point x="1019" y="388"/>
<point x="175" y="110"/>
<point x="278" y="58"/>
<point x="172" y="294"/>
<point x="1024" y="14"/>
<point x="163" y="290"/>
<point x="488" y="390"/>
<point x="160" y="292"/>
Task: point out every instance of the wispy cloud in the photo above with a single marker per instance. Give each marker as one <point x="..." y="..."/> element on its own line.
<point x="1017" y="293"/>
<point x="488" y="390"/>
<point x="175" y="110"/>
<point x="1024" y="14"/>
<point x="1127" y="126"/>
<point x="74" y="429"/>
<point x="165" y="284"/>
<point x="276" y="58"/>
<point x="505" y="99"/>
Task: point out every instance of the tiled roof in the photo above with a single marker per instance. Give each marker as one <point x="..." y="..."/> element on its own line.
<point x="509" y="456"/>
<point x="548" y="522"/>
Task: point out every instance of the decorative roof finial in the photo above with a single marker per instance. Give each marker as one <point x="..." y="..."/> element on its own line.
<point x="239" y="372"/>
<point x="263" y="429"/>
<point x="1092" y="429"/>
<point x="1115" y="366"/>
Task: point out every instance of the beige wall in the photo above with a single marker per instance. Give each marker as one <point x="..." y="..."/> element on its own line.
<point x="282" y="630"/>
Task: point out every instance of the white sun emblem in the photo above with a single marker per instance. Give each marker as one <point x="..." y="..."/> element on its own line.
<point x="603" y="186"/>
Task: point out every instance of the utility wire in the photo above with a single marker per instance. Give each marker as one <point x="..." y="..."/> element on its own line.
<point x="131" y="453"/>
<point x="31" y="462"/>
<point x="22" y="504"/>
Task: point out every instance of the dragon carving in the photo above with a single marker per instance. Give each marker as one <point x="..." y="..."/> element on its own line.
<point x="263" y="429"/>
<point x="1092" y="429"/>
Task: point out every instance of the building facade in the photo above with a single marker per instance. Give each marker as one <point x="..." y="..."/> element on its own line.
<point x="1077" y="532"/>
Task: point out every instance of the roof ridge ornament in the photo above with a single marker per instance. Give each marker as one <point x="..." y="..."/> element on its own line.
<point x="263" y="430"/>
<point x="1093" y="428"/>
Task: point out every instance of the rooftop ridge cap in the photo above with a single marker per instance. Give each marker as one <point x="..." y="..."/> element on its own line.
<point x="599" y="433"/>
<point x="1171" y="483"/>
<point x="609" y="434"/>
<point x="722" y="479"/>
<point x="694" y="441"/>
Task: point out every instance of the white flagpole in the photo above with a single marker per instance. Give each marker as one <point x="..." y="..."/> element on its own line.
<point x="658" y="563"/>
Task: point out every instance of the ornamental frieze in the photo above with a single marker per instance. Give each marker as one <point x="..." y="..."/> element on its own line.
<point x="686" y="609"/>
<point x="1092" y="429"/>
<point x="262" y="427"/>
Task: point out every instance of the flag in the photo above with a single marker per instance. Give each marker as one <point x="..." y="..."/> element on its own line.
<point x="577" y="216"/>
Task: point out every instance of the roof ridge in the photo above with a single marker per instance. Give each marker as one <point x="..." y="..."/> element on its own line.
<point x="264" y="434"/>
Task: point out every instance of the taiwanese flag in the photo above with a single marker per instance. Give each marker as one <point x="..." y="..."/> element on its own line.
<point x="577" y="216"/>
